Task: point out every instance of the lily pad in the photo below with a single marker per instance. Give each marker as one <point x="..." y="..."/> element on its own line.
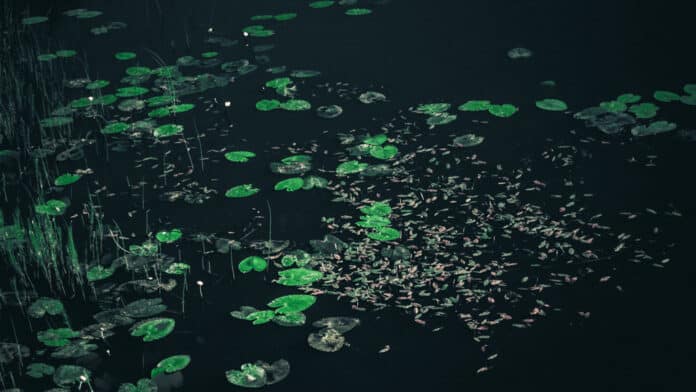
<point x="292" y="303"/>
<point x="168" y="236"/>
<point x="255" y="263"/>
<point x="67" y="179"/>
<point x="171" y="364"/>
<point x="475" y="106"/>
<point x="350" y="167"/>
<point x="384" y="152"/>
<point x="168" y="130"/>
<point x="504" y="110"/>
<point x="67" y="375"/>
<point x="244" y="190"/>
<point x="384" y="234"/>
<point x="552" y="104"/>
<point x="298" y="276"/>
<point x="52" y="207"/>
<point x="289" y="184"/>
<point x="327" y="340"/>
<point x="153" y="329"/>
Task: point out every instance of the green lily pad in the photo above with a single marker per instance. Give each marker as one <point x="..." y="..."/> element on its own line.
<point x="65" y="53"/>
<point x="51" y="207"/>
<point x="171" y="364"/>
<point x="67" y="179"/>
<point x="384" y="234"/>
<point x="32" y="20"/>
<point x="289" y="184"/>
<point x="250" y="376"/>
<point x="145" y="307"/>
<point x="666" y="96"/>
<point x="296" y="105"/>
<point x="373" y="221"/>
<point x="467" y="140"/>
<point x="377" y="209"/>
<point x="628" y="98"/>
<point x="153" y="329"/>
<point x="297" y="257"/>
<point x="552" y="104"/>
<point x="97" y="84"/>
<point x="98" y="272"/>
<point x="285" y="16"/>
<point x="260" y="317"/>
<point x="690" y="88"/>
<point x="67" y="375"/>
<point x="298" y="276"/>
<point x="115" y="128"/>
<point x="133" y="91"/>
<point x="39" y="370"/>
<point x="255" y="263"/>
<point x="614" y="106"/>
<point x="244" y="190"/>
<point x="143" y="385"/>
<point x="385" y="153"/>
<point x="265" y="105"/>
<point x="138" y="71"/>
<point x="432" y="108"/>
<point x="475" y="106"/>
<point x="123" y="56"/>
<point x="177" y="268"/>
<point x="644" y="110"/>
<point x="292" y="303"/>
<point x="654" y="128"/>
<point x="441" y="119"/>
<point x="290" y="319"/>
<point x="504" y="110"/>
<point x="321" y="4"/>
<point x="52" y="122"/>
<point x="209" y="55"/>
<point x="168" y="236"/>
<point x="43" y="306"/>
<point x="311" y="182"/>
<point x="57" y="337"/>
<point x="168" y="130"/>
<point x="239" y="156"/>
<point x="350" y="167"/>
<point x="358" y="11"/>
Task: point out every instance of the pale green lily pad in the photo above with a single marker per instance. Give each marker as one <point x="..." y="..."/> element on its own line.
<point x="373" y="221"/>
<point x="654" y="128"/>
<point x="239" y="156"/>
<point x="644" y="110"/>
<point x="39" y="370"/>
<point x="311" y="182"/>
<point x="613" y="106"/>
<point x="552" y="104"/>
<point x="115" y="128"/>
<point x="98" y="272"/>
<point x="177" y="268"/>
<point x="143" y="385"/>
<point x="297" y="257"/>
<point x="244" y="190"/>
<point x="376" y="140"/>
<point x="296" y="105"/>
<point x="432" y="108"/>
<point x="56" y="337"/>
<point x="43" y="306"/>
<point x="145" y="307"/>
<point x="298" y="276"/>
<point x="350" y="167"/>
<point x="358" y="11"/>
<point x="666" y="96"/>
<point x="32" y="20"/>
<point x="628" y="98"/>
<point x="467" y="140"/>
<point x="250" y="376"/>
<point x="67" y="375"/>
<point x="123" y="56"/>
<point x="168" y="130"/>
<point x="290" y="319"/>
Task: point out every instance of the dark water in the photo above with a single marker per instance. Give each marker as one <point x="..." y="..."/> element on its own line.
<point x="637" y="338"/>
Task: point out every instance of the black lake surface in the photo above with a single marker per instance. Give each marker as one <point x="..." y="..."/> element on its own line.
<point x="638" y="334"/>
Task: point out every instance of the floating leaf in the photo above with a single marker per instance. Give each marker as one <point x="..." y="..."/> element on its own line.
<point x="311" y="182"/>
<point x="467" y="140"/>
<point x="177" y="268"/>
<point x="57" y="337"/>
<point x="289" y="184"/>
<point x="386" y="152"/>
<point x="350" y="167"/>
<point x="43" y="306"/>
<point x="153" y="329"/>
<point x="298" y="276"/>
<point x="265" y="105"/>
<point x="384" y="234"/>
<point x="52" y="208"/>
<point x="98" y="272"/>
<point x="327" y="340"/>
<point x="475" y="106"/>
<point x="297" y="257"/>
<point x="39" y="370"/>
<point x="32" y="20"/>
<point x="171" y="364"/>
<point x="67" y="179"/>
<point x="114" y="128"/>
<point x="244" y="190"/>
<point x="123" y="56"/>
<point x="143" y="385"/>
<point x="504" y="110"/>
<point x="290" y="319"/>
<point x="340" y="324"/>
<point x="250" y="376"/>
<point x="295" y="105"/>
<point x="260" y="317"/>
<point x="377" y="208"/>
<point x="644" y="110"/>
<point x="321" y="4"/>
<point x="628" y="98"/>
<point x="552" y="104"/>
<point x="613" y="106"/>
<point x="654" y="128"/>
<point x="256" y="263"/>
<point x="358" y="11"/>
<point x="168" y="130"/>
<point x="67" y="375"/>
<point x="292" y="303"/>
<point x="145" y="307"/>
<point x="373" y="221"/>
<point x="432" y="108"/>
<point x="666" y="96"/>
<point x="167" y="237"/>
